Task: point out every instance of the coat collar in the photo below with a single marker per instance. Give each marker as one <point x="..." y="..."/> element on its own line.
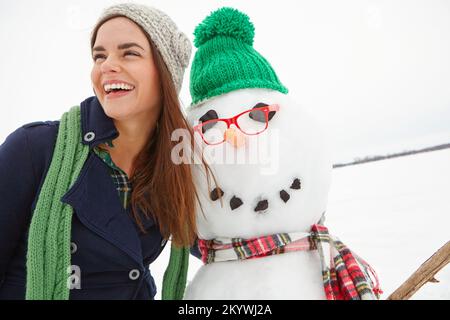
<point x="96" y="126"/>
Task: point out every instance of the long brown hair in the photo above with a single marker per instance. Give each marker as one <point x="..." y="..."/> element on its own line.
<point x="162" y="189"/>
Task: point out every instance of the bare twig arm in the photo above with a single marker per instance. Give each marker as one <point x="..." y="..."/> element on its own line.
<point x="424" y="274"/>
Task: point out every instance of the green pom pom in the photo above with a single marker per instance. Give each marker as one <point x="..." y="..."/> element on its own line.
<point x="225" y="22"/>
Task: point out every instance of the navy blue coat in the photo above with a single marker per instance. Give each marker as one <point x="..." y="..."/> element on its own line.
<point x="111" y="254"/>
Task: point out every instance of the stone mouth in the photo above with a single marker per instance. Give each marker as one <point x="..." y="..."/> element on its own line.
<point x="262" y="205"/>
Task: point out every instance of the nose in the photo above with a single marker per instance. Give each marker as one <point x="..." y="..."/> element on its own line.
<point x="110" y="65"/>
<point x="235" y="137"/>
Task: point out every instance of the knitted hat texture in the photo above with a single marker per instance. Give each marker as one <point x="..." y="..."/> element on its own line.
<point x="226" y="60"/>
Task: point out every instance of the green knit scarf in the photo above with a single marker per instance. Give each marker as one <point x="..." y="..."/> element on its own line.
<point x="48" y="256"/>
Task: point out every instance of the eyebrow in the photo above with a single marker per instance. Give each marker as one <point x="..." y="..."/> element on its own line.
<point x="122" y="46"/>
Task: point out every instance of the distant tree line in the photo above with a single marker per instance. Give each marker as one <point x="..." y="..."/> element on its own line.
<point x="390" y="156"/>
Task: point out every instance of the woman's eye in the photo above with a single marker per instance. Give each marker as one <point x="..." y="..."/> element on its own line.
<point x="131" y="53"/>
<point x="98" y="56"/>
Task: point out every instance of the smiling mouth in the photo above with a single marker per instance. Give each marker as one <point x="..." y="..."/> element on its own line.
<point x="262" y="205"/>
<point x="117" y="90"/>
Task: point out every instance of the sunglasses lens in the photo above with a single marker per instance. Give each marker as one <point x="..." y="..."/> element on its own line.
<point x="214" y="132"/>
<point x="257" y="115"/>
<point x="252" y="122"/>
<point x="208" y="126"/>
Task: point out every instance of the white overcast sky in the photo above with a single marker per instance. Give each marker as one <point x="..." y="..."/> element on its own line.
<point x="375" y="73"/>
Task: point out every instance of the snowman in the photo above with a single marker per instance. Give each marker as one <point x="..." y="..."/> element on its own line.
<point x="260" y="227"/>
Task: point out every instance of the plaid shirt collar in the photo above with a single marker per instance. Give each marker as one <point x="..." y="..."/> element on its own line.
<point x="120" y="178"/>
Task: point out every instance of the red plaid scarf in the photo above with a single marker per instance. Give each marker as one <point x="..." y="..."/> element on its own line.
<point x="346" y="276"/>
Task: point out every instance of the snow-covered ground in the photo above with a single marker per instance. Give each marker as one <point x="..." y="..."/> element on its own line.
<point x="394" y="213"/>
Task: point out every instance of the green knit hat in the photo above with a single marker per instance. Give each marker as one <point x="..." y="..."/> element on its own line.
<point x="226" y="60"/>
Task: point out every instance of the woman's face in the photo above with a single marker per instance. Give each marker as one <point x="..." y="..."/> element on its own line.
<point x="124" y="75"/>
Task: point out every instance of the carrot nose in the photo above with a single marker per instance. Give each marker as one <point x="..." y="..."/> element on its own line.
<point x="235" y="137"/>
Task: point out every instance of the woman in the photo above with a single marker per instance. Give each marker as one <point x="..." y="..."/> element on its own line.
<point x="88" y="202"/>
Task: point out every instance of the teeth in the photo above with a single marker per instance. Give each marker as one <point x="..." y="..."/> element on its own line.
<point x="109" y="87"/>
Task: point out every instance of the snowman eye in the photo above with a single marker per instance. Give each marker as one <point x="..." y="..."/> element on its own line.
<point x="210" y="115"/>
<point x="259" y="115"/>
